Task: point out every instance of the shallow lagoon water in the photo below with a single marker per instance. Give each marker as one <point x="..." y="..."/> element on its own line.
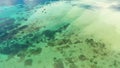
<point x="61" y="34"/>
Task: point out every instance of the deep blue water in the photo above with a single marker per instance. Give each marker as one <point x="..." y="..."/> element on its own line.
<point x="23" y="2"/>
<point x="9" y="8"/>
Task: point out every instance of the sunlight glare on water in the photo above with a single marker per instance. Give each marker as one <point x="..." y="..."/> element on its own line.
<point x="59" y="34"/>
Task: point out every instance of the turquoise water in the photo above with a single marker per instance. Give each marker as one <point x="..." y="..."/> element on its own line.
<point x="60" y="34"/>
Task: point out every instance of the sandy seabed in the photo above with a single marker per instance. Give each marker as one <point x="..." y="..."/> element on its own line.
<point x="62" y="35"/>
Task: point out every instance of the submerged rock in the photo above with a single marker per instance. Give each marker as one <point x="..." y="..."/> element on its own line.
<point x="81" y="37"/>
<point x="28" y="62"/>
<point x="58" y="64"/>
